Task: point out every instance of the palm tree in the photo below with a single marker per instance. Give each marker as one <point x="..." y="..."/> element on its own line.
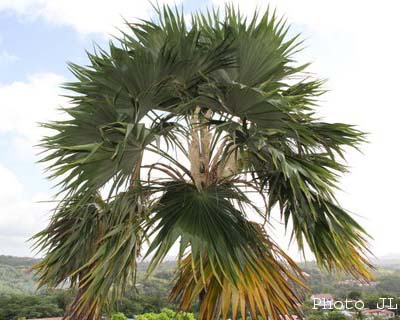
<point x="189" y="134"/>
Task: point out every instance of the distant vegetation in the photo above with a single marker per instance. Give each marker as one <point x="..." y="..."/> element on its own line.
<point x="19" y="298"/>
<point x="340" y="285"/>
<point x="15" y="276"/>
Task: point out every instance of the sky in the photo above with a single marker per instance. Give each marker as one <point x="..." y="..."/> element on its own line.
<point x="354" y="44"/>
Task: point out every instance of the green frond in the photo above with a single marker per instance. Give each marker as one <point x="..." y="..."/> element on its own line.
<point x="69" y="239"/>
<point x="303" y="188"/>
<point x="96" y="247"/>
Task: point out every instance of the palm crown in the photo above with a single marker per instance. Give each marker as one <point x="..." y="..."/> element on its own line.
<point x="226" y="114"/>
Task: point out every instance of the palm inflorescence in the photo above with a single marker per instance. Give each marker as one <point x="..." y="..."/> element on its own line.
<point x="187" y="134"/>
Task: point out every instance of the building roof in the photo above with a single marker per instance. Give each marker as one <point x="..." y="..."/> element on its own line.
<point x="378" y="311"/>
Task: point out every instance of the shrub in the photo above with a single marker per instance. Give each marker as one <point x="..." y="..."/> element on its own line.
<point x="118" y="316"/>
<point x="166" y="314"/>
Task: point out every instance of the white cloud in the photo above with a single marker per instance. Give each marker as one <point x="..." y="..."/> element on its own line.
<point x="20" y="216"/>
<point x="9" y="185"/>
<point x="324" y="16"/>
<point x="85" y="16"/>
<point x="6" y="57"/>
<point x="25" y="104"/>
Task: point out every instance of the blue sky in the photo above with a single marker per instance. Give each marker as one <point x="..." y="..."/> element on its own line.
<point x="353" y="44"/>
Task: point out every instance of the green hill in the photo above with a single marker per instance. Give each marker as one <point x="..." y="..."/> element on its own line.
<point x="18" y="295"/>
<point x="16" y="275"/>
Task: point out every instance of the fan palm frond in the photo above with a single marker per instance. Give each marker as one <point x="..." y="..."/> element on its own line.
<point x="231" y="259"/>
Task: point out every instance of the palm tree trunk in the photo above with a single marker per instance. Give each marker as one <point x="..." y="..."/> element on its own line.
<point x="199" y="149"/>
